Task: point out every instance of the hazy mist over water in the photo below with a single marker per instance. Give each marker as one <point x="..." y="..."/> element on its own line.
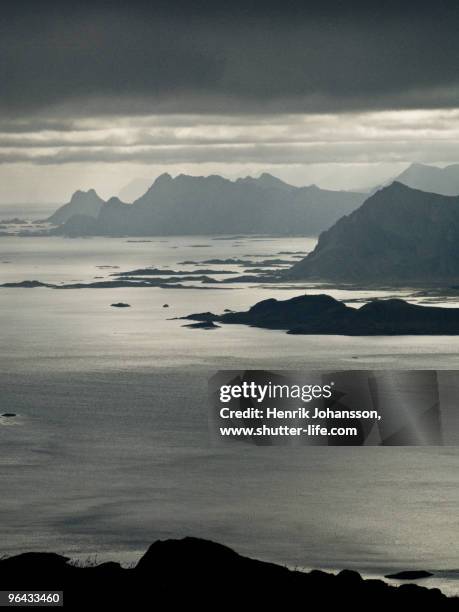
<point x="110" y="447"/>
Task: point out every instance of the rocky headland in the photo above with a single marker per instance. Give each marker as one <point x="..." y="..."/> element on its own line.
<point x="399" y="236"/>
<point x="322" y="314"/>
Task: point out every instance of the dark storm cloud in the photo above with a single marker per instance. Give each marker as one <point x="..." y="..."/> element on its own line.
<point x="237" y="57"/>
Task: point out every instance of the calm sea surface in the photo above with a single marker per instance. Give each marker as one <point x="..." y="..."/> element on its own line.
<point x="110" y="448"/>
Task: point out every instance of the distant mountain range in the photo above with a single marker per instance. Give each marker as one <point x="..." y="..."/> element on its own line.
<point x="399" y="235"/>
<point x="444" y="181"/>
<point x="418" y="176"/>
<point x="188" y="205"/>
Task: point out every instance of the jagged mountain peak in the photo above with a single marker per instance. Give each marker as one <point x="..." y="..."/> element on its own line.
<point x="399" y="235"/>
<point x="87" y="203"/>
<point x="186" y="205"/>
<point x="165" y="177"/>
<point x="80" y="193"/>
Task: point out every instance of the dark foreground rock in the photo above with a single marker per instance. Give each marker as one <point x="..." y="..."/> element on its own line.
<point x="200" y="574"/>
<point x="322" y="314"/>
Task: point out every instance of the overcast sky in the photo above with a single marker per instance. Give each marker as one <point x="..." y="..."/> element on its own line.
<point x="344" y="94"/>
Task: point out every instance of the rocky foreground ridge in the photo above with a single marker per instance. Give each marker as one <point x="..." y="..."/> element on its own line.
<point x="202" y="574"/>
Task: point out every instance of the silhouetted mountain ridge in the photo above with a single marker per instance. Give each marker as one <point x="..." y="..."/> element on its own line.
<point x="86" y="203"/>
<point x="444" y="181"/>
<point x="187" y="205"/>
<point x="399" y="235"/>
<point x="198" y="573"/>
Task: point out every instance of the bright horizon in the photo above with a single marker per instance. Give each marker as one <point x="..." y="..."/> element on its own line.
<point x="350" y="152"/>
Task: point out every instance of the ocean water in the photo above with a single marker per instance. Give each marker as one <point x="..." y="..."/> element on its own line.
<point x="110" y="449"/>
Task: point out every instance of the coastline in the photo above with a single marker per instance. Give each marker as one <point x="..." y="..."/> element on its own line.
<point x="200" y="571"/>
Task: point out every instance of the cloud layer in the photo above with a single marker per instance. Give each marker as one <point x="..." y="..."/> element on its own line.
<point x="342" y="93"/>
<point x="390" y="136"/>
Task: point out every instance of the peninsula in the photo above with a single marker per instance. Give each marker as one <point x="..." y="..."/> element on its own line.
<point x="322" y="314"/>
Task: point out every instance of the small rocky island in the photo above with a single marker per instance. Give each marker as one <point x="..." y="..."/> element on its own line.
<point x="203" y="325"/>
<point x="322" y="314"/>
